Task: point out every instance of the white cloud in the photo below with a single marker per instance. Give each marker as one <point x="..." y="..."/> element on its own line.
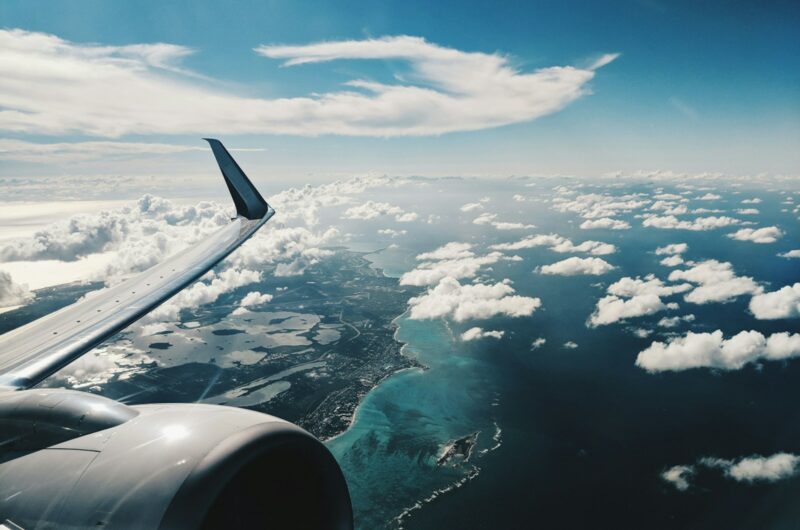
<point x="452" y="250"/>
<point x="11" y="293"/>
<point x="755" y="200"/>
<point x="569" y="345"/>
<point x="747" y="211"/>
<point x="674" y="248"/>
<point x="612" y="309"/>
<point x="373" y="210"/>
<point x="451" y="91"/>
<point x="749" y="469"/>
<point x="504" y="225"/>
<point x="606" y="223"/>
<point x="783" y="303"/>
<point x="254" y="298"/>
<point x="429" y="273"/>
<point x="678" y="476"/>
<point x="484" y="219"/>
<point x="643" y="298"/>
<point x="673" y="322"/>
<point x="558" y="244"/>
<point x="672" y="261"/>
<point x="489" y="219"/>
<point x="791" y="254"/>
<point x="716" y="282"/>
<point x="391" y="232"/>
<point x="479" y="333"/>
<point x="201" y="293"/>
<point x="574" y="266"/>
<point x="597" y="206"/>
<point x="768" y="234"/>
<point x="698" y="224"/>
<point x="709" y="197"/>
<point x="476" y="301"/>
<point x="711" y="350"/>
<point x="629" y="287"/>
<point x="538" y="343"/>
<point x="472" y="206"/>
<point x="141" y="235"/>
<point x="62" y="152"/>
<point x="757" y="468"/>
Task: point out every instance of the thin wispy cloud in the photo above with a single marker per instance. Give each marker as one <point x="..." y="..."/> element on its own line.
<point x="111" y="91"/>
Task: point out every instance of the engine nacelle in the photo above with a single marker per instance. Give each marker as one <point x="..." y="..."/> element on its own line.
<point x="181" y="466"/>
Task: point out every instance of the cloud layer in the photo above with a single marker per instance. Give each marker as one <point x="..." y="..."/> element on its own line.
<point x="110" y="91"/>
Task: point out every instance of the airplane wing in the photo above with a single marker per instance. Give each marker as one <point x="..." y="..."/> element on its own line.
<point x="32" y="352"/>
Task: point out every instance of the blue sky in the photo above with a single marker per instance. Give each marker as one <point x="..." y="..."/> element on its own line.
<point x="697" y="87"/>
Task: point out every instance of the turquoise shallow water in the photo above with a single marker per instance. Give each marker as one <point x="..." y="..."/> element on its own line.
<point x="390" y="453"/>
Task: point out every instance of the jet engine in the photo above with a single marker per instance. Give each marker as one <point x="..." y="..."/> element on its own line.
<point x="77" y="460"/>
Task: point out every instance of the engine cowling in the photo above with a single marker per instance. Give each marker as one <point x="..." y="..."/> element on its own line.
<point x="176" y="466"/>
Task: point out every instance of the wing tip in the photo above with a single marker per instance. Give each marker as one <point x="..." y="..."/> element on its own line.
<point x="249" y="202"/>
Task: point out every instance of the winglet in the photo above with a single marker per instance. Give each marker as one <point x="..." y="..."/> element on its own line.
<point x="249" y="203"/>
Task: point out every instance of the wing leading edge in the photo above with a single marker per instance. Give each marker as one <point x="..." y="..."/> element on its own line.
<point x="36" y="350"/>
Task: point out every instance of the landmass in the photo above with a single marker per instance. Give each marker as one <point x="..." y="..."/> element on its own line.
<point x="309" y="355"/>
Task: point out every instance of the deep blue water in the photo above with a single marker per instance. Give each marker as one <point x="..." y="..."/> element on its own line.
<point x="583" y="433"/>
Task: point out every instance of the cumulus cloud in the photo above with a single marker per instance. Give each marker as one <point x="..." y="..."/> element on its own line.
<point x="633" y="297"/>
<point x="606" y="223"/>
<point x="711" y="350"/>
<point x="430" y="273"/>
<point x="612" y="309"/>
<point x="446" y="90"/>
<point x="755" y="200"/>
<point x="452" y="250"/>
<point x="476" y="301"/>
<point x="674" y="248"/>
<point x="757" y="468"/>
<point x="709" y="197"/>
<point x="749" y="469"/>
<point x="202" y="292"/>
<point x="630" y="287"/>
<point x="11" y="293"/>
<point x="598" y="206"/>
<point x="569" y="345"/>
<point x="558" y="244"/>
<point x="478" y="333"/>
<point x="672" y="261"/>
<point x="142" y="234"/>
<point x="768" y="234"/>
<point x="791" y="254"/>
<point x="698" y="224"/>
<point x="574" y="266"/>
<point x="538" y="343"/>
<point x="716" y="282"/>
<point x="783" y="303"/>
<point x="747" y="211"/>
<point x="254" y="298"/>
<point x="373" y="210"/>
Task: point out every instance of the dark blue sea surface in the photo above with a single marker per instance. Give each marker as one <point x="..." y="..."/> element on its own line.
<point x="576" y="438"/>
